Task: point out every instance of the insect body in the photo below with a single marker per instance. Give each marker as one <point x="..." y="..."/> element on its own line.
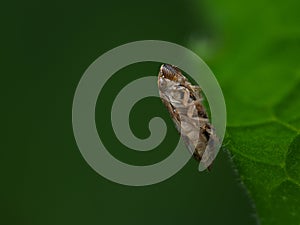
<point x="184" y="103"/>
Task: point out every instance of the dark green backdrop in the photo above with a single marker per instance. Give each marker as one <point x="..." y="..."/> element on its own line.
<point x="46" y="180"/>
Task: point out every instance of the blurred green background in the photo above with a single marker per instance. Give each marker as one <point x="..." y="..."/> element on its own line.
<point x="46" y="180"/>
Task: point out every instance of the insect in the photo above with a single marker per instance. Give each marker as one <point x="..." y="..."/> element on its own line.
<point x="184" y="103"/>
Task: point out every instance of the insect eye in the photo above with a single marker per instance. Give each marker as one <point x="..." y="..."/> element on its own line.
<point x="168" y="71"/>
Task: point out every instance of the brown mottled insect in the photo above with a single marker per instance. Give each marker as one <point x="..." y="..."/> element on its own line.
<point x="184" y="103"/>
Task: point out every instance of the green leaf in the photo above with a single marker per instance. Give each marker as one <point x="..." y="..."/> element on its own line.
<point x="255" y="57"/>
